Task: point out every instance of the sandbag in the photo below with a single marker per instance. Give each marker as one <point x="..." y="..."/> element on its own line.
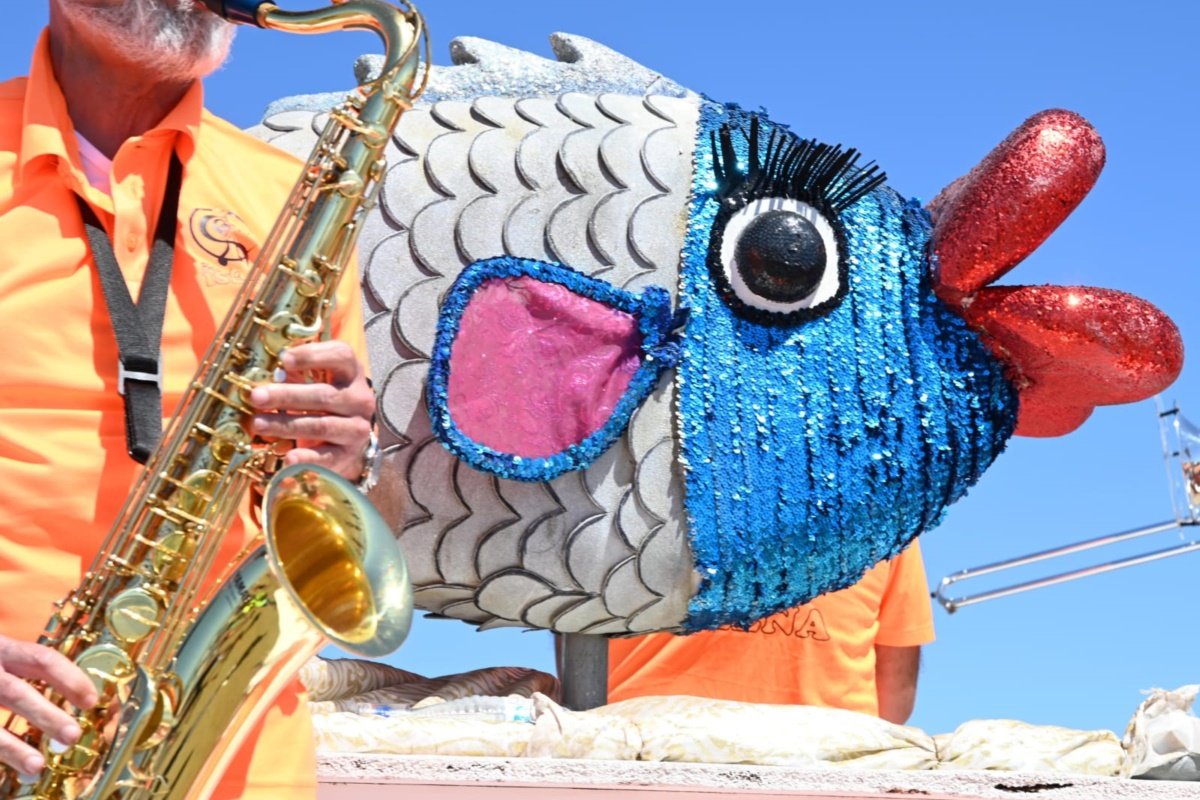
<point x="561" y="733"/>
<point x="1162" y="740"/>
<point x="346" y="732"/>
<point x="681" y="728"/>
<point x="1002" y="744"/>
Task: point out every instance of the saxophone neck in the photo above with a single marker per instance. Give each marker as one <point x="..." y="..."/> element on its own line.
<point x="400" y="26"/>
<point x="243" y="12"/>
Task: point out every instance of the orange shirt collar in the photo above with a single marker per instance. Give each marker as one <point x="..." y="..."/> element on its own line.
<point x="47" y="129"/>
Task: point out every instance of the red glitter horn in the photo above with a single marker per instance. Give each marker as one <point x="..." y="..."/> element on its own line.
<point x="1067" y="348"/>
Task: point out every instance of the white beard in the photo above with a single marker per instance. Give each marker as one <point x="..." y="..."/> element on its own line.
<point x="173" y="39"/>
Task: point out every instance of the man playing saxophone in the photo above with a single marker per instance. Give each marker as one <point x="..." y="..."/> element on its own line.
<point x="107" y="124"/>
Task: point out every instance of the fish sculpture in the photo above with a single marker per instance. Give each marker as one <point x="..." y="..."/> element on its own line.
<point x="648" y="361"/>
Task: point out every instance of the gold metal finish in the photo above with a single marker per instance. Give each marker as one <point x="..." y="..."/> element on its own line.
<point x="184" y="665"/>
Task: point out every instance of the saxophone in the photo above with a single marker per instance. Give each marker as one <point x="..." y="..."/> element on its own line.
<point x="183" y="671"/>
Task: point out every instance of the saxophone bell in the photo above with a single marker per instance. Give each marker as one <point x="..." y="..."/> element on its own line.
<point x="328" y="571"/>
<point x="339" y="559"/>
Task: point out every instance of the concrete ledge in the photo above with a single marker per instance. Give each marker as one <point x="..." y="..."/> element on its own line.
<point x="375" y="777"/>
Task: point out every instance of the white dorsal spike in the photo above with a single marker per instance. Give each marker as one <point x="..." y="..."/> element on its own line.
<point x="484" y="68"/>
<point x="367" y="67"/>
<point x="484" y="52"/>
<point x="571" y="48"/>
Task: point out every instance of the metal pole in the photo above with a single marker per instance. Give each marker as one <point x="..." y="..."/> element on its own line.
<point x="583" y="670"/>
<point x="952" y="604"/>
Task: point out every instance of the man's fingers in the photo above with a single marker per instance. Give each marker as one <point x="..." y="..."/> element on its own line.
<point x="28" y="660"/>
<point x="20" y="756"/>
<point x="28" y="703"/>
<point x="330" y="418"/>
<point x="329" y="457"/>
<point x="335" y="358"/>
<point x="345" y="463"/>
<point x="347" y="431"/>
<point x="356" y="401"/>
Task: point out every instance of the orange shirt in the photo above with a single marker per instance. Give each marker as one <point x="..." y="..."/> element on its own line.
<point x="820" y="654"/>
<point x="64" y="471"/>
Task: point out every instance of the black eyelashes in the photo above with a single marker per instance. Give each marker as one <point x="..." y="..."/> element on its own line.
<point x="785" y="263"/>
<point x="824" y="175"/>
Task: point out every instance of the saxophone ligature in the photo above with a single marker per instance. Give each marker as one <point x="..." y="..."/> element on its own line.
<point x="184" y="666"/>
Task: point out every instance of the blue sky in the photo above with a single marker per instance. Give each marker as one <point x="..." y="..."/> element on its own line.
<point x="925" y="89"/>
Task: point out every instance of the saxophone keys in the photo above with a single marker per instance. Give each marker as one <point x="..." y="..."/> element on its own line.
<point x="133" y="615"/>
<point x="228" y="439"/>
<point x="171" y="555"/>
<point x="65" y="610"/>
<point x="197" y="491"/>
<point x="349" y="184"/>
<point x="278" y="332"/>
<point x="107" y="665"/>
<point x="374" y="134"/>
<point x="75" y="758"/>
<point x="170" y="693"/>
<point x="308" y="281"/>
<point x="251" y="378"/>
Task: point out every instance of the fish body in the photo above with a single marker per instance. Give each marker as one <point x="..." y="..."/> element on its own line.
<point x="728" y="445"/>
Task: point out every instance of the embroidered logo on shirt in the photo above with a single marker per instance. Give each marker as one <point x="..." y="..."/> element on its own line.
<point x="789" y="623"/>
<point x="221" y="235"/>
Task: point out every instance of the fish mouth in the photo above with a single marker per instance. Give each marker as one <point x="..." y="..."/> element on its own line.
<point x="1068" y="349"/>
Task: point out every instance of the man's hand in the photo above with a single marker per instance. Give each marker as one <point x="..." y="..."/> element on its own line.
<point x="21" y="660"/>
<point x="330" y="420"/>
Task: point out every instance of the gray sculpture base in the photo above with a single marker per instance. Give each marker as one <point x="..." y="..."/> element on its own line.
<point x="582" y="670"/>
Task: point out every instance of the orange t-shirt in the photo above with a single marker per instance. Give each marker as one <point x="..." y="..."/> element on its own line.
<point x="64" y="471"/>
<point x="820" y="654"/>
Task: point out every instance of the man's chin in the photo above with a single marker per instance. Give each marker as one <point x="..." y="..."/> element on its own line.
<point x="171" y="39"/>
<point x="215" y="54"/>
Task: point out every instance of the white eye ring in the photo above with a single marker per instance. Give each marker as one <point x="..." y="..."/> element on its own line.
<point x="826" y="289"/>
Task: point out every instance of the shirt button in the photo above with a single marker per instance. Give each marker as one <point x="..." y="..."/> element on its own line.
<point x="131" y="241"/>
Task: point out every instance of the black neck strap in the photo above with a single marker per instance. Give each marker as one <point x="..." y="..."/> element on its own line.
<point x="138" y="328"/>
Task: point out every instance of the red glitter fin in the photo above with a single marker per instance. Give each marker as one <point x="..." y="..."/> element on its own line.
<point x="986" y="222"/>
<point x="1042" y="416"/>
<point x="1070" y="348"/>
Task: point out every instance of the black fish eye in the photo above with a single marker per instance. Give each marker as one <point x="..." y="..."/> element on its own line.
<point x="781" y="256"/>
<point x="778" y="260"/>
<point x="777" y="248"/>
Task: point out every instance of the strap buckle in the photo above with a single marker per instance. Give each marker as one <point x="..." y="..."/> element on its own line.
<point x="124" y="375"/>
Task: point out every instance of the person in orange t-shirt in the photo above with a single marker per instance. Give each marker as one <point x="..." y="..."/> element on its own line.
<point x="112" y="99"/>
<point x="858" y="648"/>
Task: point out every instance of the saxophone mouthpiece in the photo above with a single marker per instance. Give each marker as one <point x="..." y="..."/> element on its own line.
<point x="242" y="12"/>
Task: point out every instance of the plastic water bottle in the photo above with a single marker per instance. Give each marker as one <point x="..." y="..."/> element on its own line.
<point x="491" y="709"/>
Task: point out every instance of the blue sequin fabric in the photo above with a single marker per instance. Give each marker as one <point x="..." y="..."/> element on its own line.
<point x="813" y="452"/>
<point x="660" y="350"/>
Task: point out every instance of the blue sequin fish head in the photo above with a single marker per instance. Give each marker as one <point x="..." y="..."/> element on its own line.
<point x="830" y="406"/>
